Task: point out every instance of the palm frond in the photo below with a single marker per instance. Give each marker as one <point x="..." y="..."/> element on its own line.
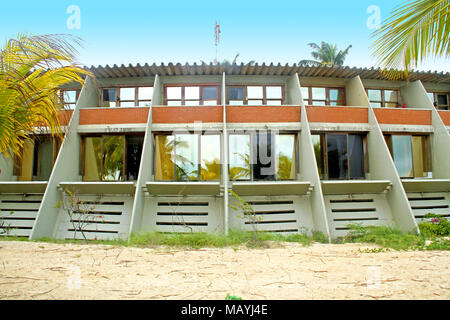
<point x="415" y="31"/>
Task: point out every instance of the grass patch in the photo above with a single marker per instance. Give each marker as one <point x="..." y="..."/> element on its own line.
<point x="233" y="239"/>
<point x="392" y="238"/>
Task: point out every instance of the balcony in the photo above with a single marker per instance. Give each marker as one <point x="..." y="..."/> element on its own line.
<point x="445" y="116"/>
<point x="187" y="114"/>
<point x="331" y="114"/>
<point x="109" y="116"/>
<point x="263" y="114"/>
<point x="403" y="116"/>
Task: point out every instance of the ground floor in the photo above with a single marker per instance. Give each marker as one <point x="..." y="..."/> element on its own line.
<point x="31" y="270"/>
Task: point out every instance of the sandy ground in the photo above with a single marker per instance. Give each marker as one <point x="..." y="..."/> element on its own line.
<point x="286" y="271"/>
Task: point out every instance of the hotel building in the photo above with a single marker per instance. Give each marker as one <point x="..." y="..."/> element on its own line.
<point x="159" y="147"/>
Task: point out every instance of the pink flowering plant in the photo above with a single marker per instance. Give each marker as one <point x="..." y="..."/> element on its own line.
<point x="436" y="225"/>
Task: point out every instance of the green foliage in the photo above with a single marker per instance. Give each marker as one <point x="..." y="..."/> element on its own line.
<point x="436" y="226"/>
<point x="233" y="239"/>
<point x="228" y="297"/>
<point x="384" y="236"/>
<point x="326" y="55"/>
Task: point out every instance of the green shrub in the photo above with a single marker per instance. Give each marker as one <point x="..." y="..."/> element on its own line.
<point x="436" y="226"/>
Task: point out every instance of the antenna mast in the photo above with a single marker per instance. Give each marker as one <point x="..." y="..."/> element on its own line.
<point x="217" y="39"/>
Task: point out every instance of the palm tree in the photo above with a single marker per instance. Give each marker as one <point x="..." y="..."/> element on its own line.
<point x="32" y="71"/>
<point x="227" y="62"/>
<point x="326" y="55"/>
<point x="416" y="30"/>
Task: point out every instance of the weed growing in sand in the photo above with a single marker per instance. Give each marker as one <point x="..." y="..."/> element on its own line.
<point x="388" y="237"/>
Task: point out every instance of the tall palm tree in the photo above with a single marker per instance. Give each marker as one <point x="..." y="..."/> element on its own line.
<point x="32" y="71"/>
<point x="326" y="55"/>
<point x="416" y="30"/>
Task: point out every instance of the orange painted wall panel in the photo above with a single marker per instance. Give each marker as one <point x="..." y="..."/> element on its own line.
<point x="337" y="114"/>
<point x="113" y="116"/>
<point x="445" y="116"/>
<point x="64" y="117"/>
<point x="187" y="114"/>
<point x="403" y="116"/>
<point x="262" y="114"/>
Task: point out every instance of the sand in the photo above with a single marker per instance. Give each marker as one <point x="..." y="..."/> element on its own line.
<point x="38" y="271"/>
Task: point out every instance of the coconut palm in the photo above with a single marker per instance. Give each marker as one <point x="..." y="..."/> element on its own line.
<point x="32" y="71"/>
<point x="416" y="30"/>
<point x="325" y="54"/>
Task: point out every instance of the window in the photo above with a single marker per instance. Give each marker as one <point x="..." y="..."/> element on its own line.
<point x="441" y="100"/>
<point x="263" y="156"/>
<point x="323" y="96"/>
<point x="187" y="157"/>
<point x="411" y="155"/>
<point x="37" y="159"/>
<point x="111" y="157"/>
<point x="192" y="95"/>
<point x="69" y="98"/>
<point x="127" y="97"/>
<point x="381" y="98"/>
<point x="340" y="156"/>
<point x="255" y="95"/>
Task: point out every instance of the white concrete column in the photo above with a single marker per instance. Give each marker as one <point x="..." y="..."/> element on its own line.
<point x="66" y="167"/>
<point x="146" y="164"/>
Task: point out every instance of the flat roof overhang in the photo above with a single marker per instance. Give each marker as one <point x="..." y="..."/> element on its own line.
<point x="183" y="188"/>
<point x="99" y="187"/>
<point x="426" y="185"/>
<point x="23" y="187"/>
<point x="339" y="187"/>
<point x="272" y="188"/>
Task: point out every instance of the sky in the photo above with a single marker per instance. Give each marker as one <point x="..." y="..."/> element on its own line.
<point x="131" y="32"/>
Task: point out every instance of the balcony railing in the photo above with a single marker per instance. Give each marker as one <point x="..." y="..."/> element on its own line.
<point x="403" y="116"/>
<point x="337" y="114"/>
<point x="445" y="116"/>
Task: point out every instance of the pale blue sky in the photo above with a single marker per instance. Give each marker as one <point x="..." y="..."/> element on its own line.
<point x="116" y="32"/>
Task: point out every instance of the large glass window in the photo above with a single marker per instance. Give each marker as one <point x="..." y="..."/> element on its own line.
<point x="111" y="157"/>
<point x="411" y="155"/>
<point x="340" y="156"/>
<point x="263" y="156"/>
<point x="192" y="95"/>
<point x="441" y="100"/>
<point x="239" y="158"/>
<point x="70" y="98"/>
<point x="187" y="157"/>
<point x="382" y="98"/>
<point x="36" y="159"/>
<point x="255" y="95"/>
<point x="127" y="97"/>
<point x="323" y="96"/>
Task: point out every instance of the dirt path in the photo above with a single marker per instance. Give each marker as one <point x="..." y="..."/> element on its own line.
<point x="321" y="271"/>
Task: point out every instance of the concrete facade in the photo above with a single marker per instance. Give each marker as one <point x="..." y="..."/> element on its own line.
<point x="307" y="203"/>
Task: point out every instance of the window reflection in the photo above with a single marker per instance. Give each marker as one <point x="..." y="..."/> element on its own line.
<point x="239" y="157"/>
<point x="286" y="157"/>
<point x="93" y="159"/>
<point x="210" y="152"/>
<point x="402" y="154"/>
<point x="186" y="157"/>
<point x="410" y="155"/>
<point x="164" y="157"/>
<point x="177" y="157"/>
<point x="105" y="158"/>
